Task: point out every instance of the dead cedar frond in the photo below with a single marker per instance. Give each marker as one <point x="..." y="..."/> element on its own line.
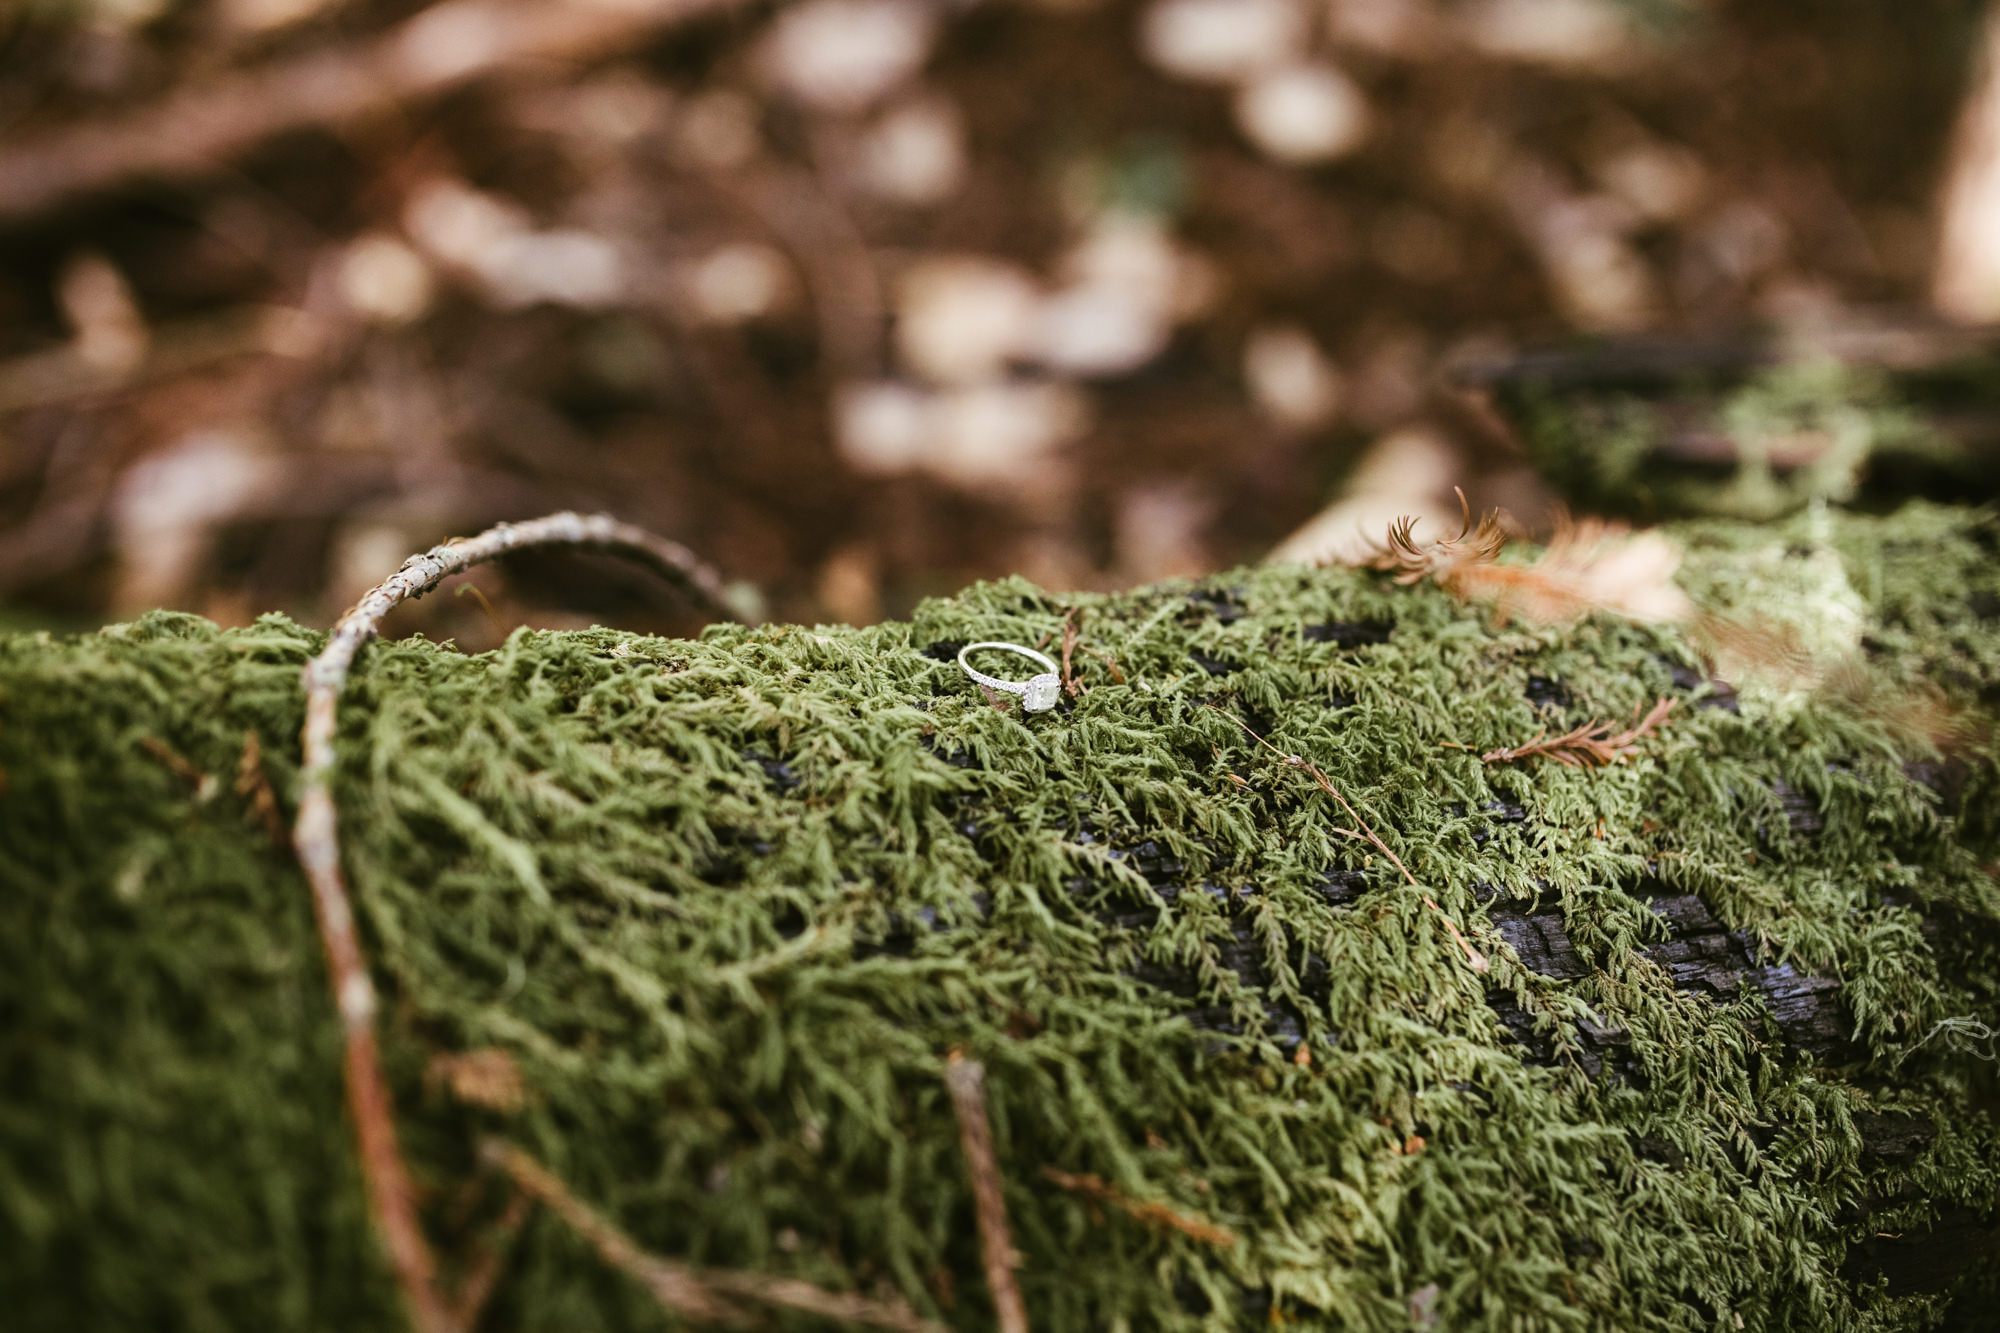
<point x="1588" y="565"/>
<point x="1155" y="1215"/>
<point x="1591" y="745"/>
<point x="1444" y="560"/>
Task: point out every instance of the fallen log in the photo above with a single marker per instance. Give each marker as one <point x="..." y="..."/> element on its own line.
<point x="1357" y="1030"/>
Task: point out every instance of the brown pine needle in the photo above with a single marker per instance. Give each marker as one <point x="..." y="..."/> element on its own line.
<point x="180" y="766"/>
<point x="254" y="786"/>
<point x="1155" y="1215"/>
<point x="1592" y="745"/>
<point x="704" y="1294"/>
<point x="1071" y="685"/>
<point x="1362" y="833"/>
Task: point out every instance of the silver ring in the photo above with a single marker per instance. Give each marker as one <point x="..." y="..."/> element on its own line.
<point x="1038" y="695"/>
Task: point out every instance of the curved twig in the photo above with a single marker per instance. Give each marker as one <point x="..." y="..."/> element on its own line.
<point x="391" y="1200"/>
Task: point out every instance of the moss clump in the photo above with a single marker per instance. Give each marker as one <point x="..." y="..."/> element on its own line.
<point x="1758" y="445"/>
<point x="727" y="905"/>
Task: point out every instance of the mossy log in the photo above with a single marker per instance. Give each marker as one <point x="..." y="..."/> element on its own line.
<point x="1690" y="1041"/>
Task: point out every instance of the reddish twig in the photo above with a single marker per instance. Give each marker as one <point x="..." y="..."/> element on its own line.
<point x="1361" y="832"/>
<point x="1155" y="1215"/>
<point x="1589" y="746"/>
<point x="966" y="1081"/>
<point x="1071" y="686"/>
<point x="315" y="836"/>
<point x="695" y="1293"/>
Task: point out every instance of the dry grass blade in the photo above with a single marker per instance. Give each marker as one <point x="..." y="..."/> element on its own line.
<point x="696" y="1293"/>
<point x="1155" y="1215"/>
<point x="1592" y="745"/>
<point x="1361" y="832"/>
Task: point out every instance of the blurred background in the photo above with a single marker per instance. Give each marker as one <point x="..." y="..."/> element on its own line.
<point x="865" y="299"/>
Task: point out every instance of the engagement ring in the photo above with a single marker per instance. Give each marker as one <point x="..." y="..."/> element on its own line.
<point x="1038" y="694"/>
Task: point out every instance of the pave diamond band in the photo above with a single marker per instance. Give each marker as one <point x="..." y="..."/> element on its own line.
<point x="1038" y="694"/>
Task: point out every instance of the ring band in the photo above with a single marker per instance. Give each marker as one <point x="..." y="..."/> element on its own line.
<point x="1038" y="695"/>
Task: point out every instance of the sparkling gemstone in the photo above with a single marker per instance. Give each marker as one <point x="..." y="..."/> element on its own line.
<point x="1043" y="691"/>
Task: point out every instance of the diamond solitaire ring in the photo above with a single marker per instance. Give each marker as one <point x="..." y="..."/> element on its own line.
<point x="1038" y="694"/>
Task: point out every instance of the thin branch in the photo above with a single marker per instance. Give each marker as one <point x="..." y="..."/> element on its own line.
<point x="695" y="1293"/>
<point x="1363" y="833"/>
<point x="1591" y="745"/>
<point x="1155" y="1215"/>
<point x="315" y="836"/>
<point x="966" y="1081"/>
<point x="198" y="129"/>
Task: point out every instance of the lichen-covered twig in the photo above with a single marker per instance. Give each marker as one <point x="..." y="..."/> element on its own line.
<point x="1156" y="1215"/>
<point x="315" y="837"/>
<point x="965" y="1080"/>
<point x="1591" y="745"/>
<point x="1361" y="832"/>
<point x="695" y="1293"/>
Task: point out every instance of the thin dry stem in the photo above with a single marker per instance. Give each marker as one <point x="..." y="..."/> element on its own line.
<point x="315" y="836"/>
<point x="1361" y="832"/>
<point x="1155" y="1215"/>
<point x="1592" y="745"/>
<point x="966" y="1081"/>
<point x="696" y="1293"/>
<point x="1071" y="685"/>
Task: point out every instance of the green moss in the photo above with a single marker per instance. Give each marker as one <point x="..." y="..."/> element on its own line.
<point x="1753" y="447"/>
<point x="729" y="903"/>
